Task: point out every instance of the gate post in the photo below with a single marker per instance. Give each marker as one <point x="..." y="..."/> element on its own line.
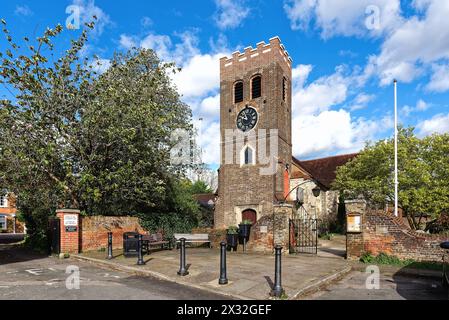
<point x="69" y="230"/>
<point x="110" y="245"/>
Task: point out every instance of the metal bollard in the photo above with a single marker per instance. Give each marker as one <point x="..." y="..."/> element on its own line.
<point x="110" y="245"/>
<point x="182" y="258"/>
<point x="223" y="278"/>
<point x="277" y="289"/>
<point x="139" y="251"/>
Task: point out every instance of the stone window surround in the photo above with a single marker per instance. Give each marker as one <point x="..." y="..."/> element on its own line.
<point x="242" y="156"/>
<point x="4" y="201"/>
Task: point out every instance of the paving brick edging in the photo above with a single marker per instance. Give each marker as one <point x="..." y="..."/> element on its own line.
<point x="160" y="276"/>
<point x="316" y="286"/>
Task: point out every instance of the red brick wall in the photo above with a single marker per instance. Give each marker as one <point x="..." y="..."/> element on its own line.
<point x="94" y="231"/>
<point x="69" y="240"/>
<point x="383" y="232"/>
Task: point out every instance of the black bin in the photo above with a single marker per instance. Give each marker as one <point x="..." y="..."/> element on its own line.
<point x="130" y="244"/>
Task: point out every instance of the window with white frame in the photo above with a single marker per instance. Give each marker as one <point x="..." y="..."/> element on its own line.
<point x="3" y="201"/>
<point x="2" y="222"/>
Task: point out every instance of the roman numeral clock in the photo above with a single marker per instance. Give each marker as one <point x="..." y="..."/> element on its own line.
<point x="247" y="119"/>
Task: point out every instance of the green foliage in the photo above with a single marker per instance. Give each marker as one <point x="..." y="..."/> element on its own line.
<point x="199" y="187"/>
<point x="385" y="259"/>
<point x="233" y="230"/>
<point x="247" y="222"/>
<point x="326" y="236"/>
<point x="73" y="137"/>
<point x="423" y="175"/>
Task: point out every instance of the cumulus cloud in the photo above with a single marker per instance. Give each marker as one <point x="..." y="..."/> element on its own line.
<point x="439" y="81"/>
<point x="437" y="124"/>
<point x="346" y="18"/>
<point x="88" y="10"/>
<point x="418" y="42"/>
<point x="230" y="13"/>
<point x="421" y="105"/>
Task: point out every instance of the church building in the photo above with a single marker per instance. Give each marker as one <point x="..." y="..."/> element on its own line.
<point x="256" y="97"/>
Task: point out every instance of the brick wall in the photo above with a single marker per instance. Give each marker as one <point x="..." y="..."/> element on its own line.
<point x="94" y="231"/>
<point x="383" y="232"/>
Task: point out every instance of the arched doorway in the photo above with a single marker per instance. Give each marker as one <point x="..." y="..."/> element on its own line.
<point x="249" y="214"/>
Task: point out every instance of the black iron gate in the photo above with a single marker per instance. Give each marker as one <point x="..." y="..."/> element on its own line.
<point x="304" y="236"/>
<point x="54" y="234"/>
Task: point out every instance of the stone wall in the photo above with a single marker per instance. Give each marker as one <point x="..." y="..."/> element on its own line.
<point x="94" y="231"/>
<point x="271" y="230"/>
<point x="383" y="232"/>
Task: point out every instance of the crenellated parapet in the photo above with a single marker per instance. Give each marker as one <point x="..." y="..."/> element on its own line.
<point x="263" y="53"/>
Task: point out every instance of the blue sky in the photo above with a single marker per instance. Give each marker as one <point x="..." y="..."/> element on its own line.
<point x="345" y="56"/>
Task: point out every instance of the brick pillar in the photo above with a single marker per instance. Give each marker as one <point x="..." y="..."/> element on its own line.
<point x="69" y="224"/>
<point x="354" y="241"/>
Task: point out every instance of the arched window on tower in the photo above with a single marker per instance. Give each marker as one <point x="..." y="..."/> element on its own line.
<point x="247" y="156"/>
<point x="256" y="87"/>
<point x="238" y="92"/>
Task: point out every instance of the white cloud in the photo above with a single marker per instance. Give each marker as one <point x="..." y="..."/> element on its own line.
<point x="414" y="45"/>
<point x="209" y="140"/>
<point x="332" y="132"/>
<point x="320" y="95"/>
<point x="88" y="10"/>
<point x="440" y="78"/>
<point x="230" y="13"/>
<point x="127" y="42"/>
<point x="421" y="105"/>
<point x="437" y="124"/>
<point x="361" y="101"/>
<point x="101" y="65"/>
<point x="199" y="76"/>
<point x="347" y="18"/>
<point x="23" y="10"/>
<point x="146" y="22"/>
<point x="300" y="74"/>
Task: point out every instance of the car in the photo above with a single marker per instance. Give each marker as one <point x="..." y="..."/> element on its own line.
<point x="445" y="245"/>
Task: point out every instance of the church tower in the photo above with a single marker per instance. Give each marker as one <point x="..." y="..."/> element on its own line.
<point x="255" y="98"/>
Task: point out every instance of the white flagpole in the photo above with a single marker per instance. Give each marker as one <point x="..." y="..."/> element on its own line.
<point x="395" y="149"/>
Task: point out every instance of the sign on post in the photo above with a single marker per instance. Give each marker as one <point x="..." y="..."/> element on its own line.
<point x="353" y="223"/>
<point x="70" y="220"/>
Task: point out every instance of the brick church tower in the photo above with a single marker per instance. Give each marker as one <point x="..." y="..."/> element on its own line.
<point x="255" y="94"/>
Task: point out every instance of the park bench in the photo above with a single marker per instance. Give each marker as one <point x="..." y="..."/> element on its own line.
<point x="154" y="239"/>
<point x="192" y="238"/>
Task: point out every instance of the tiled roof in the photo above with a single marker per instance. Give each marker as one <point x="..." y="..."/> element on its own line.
<point x="324" y="169"/>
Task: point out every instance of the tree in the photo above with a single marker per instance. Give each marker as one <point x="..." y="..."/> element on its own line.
<point x="423" y="175"/>
<point x="74" y="137"/>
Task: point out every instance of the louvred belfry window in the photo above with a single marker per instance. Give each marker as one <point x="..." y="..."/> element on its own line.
<point x="238" y="92"/>
<point x="256" y="87"/>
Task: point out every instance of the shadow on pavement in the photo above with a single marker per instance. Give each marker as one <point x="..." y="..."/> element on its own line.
<point x="423" y="285"/>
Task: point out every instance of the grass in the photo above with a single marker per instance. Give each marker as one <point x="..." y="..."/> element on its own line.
<point x="385" y="259"/>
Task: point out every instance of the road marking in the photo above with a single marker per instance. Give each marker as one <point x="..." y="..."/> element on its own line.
<point x="35" y="272"/>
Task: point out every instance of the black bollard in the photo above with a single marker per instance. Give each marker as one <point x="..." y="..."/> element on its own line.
<point x="139" y="251"/>
<point x="110" y="245"/>
<point x="223" y="279"/>
<point x="277" y="289"/>
<point x="182" y="259"/>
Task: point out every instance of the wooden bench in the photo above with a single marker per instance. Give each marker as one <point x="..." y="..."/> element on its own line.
<point x="192" y="238"/>
<point x="154" y="239"/>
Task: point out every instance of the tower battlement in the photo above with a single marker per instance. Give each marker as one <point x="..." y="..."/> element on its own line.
<point x="274" y="50"/>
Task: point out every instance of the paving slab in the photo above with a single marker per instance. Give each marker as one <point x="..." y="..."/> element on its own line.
<point x="250" y="275"/>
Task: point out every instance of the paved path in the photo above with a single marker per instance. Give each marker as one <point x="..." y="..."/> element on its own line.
<point x="394" y="284"/>
<point x="251" y="276"/>
<point x="26" y="275"/>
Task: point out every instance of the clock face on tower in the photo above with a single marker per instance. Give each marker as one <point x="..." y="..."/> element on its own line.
<point x="247" y="119"/>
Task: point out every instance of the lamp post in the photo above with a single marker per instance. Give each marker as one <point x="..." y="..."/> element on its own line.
<point x="315" y="191"/>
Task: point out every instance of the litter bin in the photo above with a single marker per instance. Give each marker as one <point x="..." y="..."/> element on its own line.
<point x="130" y="244"/>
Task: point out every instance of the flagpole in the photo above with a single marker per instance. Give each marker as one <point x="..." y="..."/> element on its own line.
<point x="395" y="149"/>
